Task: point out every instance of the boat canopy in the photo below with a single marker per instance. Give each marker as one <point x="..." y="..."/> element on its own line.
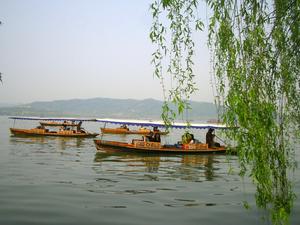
<point x="153" y="123"/>
<point x="52" y="118"/>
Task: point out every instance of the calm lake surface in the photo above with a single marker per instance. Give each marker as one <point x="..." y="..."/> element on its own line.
<point x="64" y="181"/>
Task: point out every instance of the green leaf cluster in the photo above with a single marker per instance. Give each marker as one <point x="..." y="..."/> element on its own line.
<point x="256" y="62"/>
<point x="177" y="52"/>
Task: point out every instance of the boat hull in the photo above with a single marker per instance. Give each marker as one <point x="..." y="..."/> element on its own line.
<point x="155" y="147"/>
<point x="44" y="132"/>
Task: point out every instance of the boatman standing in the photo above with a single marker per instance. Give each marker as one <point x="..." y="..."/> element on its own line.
<point x="210" y="139"/>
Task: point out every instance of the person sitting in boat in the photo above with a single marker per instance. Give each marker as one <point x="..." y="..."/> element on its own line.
<point x="155" y="129"/>
<point x="150" y="136"/>
<point x="156" y="137"/>
<point x="65" y="125"/>
<point x="40" y="127"/>
<point x="123" y="126"/>
<point x="210" y="139"/>
<point x="194" y="140"/>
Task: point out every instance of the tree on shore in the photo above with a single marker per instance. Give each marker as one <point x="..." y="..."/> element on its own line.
<point x="256" y="65"/>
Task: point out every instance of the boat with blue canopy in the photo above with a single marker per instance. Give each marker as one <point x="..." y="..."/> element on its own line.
<point x="67" y="127"/>
<point x="152" y="144"/>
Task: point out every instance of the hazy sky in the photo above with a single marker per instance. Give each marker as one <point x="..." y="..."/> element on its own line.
<point x="65" y="49"/>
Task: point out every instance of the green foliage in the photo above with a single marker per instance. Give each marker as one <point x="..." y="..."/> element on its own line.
<point x="258" y="72"/>
<point x="256" y="62"/>
<point x="179" y="50"/>
<point x="186" y="138"/>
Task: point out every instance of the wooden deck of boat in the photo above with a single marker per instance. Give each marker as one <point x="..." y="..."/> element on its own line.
<point x="155" y="147"/>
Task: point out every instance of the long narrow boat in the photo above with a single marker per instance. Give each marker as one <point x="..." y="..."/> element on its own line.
<point x="147" y="146"/>
<point x="46" y="132"/>
<point x="156" y="147"/>
<point x="70" y="127"/>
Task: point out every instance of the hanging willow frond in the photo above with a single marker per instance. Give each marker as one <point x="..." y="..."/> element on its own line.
<point x="178" y="52"/>
<point x="256" y="62"/>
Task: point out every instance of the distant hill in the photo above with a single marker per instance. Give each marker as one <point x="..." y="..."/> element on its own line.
<point x="106" y="107"/>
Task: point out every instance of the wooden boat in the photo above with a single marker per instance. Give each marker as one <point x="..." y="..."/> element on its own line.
<point x="149" y="145"/>
<point x="46" y="132"/>
<point x="64" y="127"/>
<point x="156" y="147"/>
<point x="121" y="130"/>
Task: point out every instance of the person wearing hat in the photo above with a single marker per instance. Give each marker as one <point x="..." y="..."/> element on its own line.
<point x="210" y="139"/>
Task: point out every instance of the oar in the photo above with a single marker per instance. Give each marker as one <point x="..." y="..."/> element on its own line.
<point x="220" y="139"/>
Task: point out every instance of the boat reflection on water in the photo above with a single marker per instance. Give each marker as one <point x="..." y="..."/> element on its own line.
<point x="185" y="167"/>
<point x="202" y="162"/>
<point x="150" y="162"/>
<point x="61" y="142"/>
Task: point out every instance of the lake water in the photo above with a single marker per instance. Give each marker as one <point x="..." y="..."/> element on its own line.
<point x="64" y="181"/>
